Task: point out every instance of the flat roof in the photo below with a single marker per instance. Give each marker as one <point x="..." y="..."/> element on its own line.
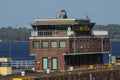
<point x="83" y="53"/>
<point x="63" y="20"/>
<point x="60" y="21"/>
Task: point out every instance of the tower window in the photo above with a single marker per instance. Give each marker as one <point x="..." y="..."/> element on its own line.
<point x="53" y="44"/>
<point x="44" y="44"/>
<point x="36" y="44"/>
<point x="62" y="44"/>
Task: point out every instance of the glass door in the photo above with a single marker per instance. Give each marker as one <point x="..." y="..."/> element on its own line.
<point x="45" y="63"/>
<point x="54" y="63"/>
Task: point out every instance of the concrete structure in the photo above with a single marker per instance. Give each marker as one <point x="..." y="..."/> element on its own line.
<point x="100" y="33"/>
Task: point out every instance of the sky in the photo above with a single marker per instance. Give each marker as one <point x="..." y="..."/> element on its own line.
<point x="20" y="13"/>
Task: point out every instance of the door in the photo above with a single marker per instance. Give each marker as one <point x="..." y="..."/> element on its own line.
<point x="54" y="63"/>
<point x="45" y="63"/>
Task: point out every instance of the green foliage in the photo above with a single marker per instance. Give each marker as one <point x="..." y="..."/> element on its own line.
<point x="113" y="29"/>
<point x="14" y="34"/>
<point x="23" y="34"/>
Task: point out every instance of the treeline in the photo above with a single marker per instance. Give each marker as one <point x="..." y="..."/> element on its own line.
<point x="14" y="34"/>
<point x="23" y="34"/>
<point x="113" y="30"/>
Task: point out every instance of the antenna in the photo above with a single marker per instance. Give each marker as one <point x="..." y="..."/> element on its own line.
<point x="9" y="49"/>
<point x="16" y="24"/>
<point x="88" y="14"/>
<point x="87" y="17"/>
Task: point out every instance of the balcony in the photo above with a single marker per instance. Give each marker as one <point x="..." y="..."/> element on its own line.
<point x="51" y="33"/>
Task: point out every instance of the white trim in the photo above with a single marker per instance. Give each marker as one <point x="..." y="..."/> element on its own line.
<point x="33" y="54"/>
<point x="80" y="37"/>
<point x="86" y="53"/>
<point x="48" y="37"/>
<point x="55" y="19"/>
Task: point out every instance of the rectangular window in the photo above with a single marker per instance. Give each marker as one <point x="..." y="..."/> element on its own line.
<point x="44" y="44"/>
<point x="36" y="44"/>
<point x="53" y="44"/>
<point x="81" y="44"/>
<point x="104" y="43"/>
<point x="71" y="44"/>
<point x="5" y="64"/>
<point x="84" y="43"/>
<point x="62" y="44"/>
<point x="92" y="43"/>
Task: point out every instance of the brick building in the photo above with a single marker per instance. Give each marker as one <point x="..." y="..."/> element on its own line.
<point x="61" y="43"/>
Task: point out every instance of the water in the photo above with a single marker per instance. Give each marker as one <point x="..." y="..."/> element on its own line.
<point x="16" y="50"/>
<point x="20" y="50"/>
<point x="115" y="48"/>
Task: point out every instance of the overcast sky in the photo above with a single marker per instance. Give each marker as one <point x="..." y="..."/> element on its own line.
<point x="24" y="12"/>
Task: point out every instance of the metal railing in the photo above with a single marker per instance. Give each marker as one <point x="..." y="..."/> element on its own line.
<point x="49" y="33"/>
<point x="23" y="63"/>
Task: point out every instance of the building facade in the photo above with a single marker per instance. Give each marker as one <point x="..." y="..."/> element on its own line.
<point x="61" y="43"/>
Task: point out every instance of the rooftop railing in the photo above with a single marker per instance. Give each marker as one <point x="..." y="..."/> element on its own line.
<point x="51" y="33"/>
<point x="61" y="33"/>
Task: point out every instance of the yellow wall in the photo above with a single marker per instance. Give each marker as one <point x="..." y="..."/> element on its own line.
<point x="5" y="70"/>
<point x="5" y="59"/>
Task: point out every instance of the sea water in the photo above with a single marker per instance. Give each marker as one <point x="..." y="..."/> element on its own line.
<point x="21" y="50"/>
